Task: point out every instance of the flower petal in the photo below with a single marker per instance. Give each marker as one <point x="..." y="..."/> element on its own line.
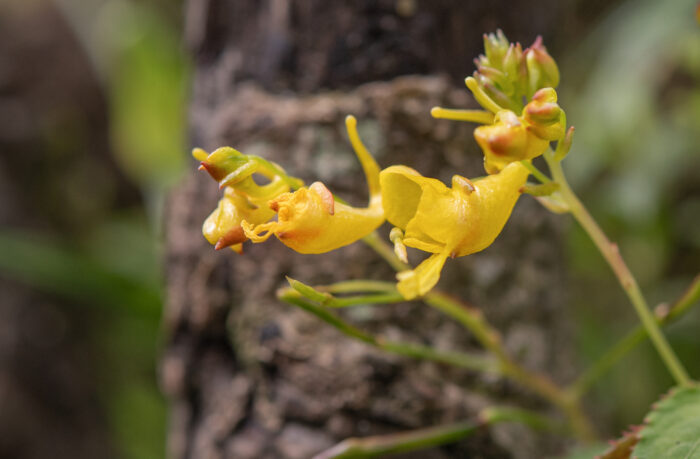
<point x="421" y="280"/>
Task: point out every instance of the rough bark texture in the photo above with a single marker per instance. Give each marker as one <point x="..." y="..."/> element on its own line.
<point x="249" y="377"/>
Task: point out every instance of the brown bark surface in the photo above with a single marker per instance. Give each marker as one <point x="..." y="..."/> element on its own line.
<point x="249" y="377"/>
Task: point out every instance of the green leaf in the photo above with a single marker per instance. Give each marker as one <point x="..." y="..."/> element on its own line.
<point x="672" y="428"/>
<point x="330" y="301"/>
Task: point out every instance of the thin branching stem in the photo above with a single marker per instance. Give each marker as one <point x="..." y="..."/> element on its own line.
<point x="615" y="353"/>
<point x="418" y="439"/>
<point x="629" y="284"/>
<point x="538" y="174"/>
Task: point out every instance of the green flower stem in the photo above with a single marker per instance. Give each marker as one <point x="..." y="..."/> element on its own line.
<point x="538" y="174"/>
<point x="358" y="285"/>
<point x="327" y="300"/>
<point x="473" y="320"/>
<point x="458" y="359"/>
<point x="273" y="169"/>
<point x="401" y="442"/>
<point x="612" y="255"/>
<point x="632" y="339"/>
<point x="536" y="421"/>
<point x="382" y="298"/>
<point x="433" y="436"/>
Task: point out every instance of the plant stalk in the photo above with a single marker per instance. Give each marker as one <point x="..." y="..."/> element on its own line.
<point x="413" y="440"/>
<point x="611" y="254"/>
<point x="613" y="355"/>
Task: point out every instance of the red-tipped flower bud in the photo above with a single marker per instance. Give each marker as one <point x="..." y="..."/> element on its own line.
<point x="544" y="117"/>
<point x="542" y="69"/>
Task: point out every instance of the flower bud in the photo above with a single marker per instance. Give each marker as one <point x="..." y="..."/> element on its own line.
<point x="544" y="117"/>
<point x="228" y="166"/>
<point x="542" y="69"/>
<point x="515" y="68"/>
<point x="495" y="77"/>
<point x="492" y="89"/>
<point x="506" y="141"/>
<point x="495" y="46"/>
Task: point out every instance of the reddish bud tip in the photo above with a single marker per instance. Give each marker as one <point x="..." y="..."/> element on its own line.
<point x="234" y="236"/>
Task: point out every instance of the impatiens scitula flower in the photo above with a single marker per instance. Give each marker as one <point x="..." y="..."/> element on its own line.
<point x="447" y="222"/>
<point x="244" y="199"/>
<point x="311" y="220"/>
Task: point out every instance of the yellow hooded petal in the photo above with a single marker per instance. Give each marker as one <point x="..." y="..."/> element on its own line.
<point x="489" y="207"/>
<point x="402" y="189"/>
<point x="456" y="221"/>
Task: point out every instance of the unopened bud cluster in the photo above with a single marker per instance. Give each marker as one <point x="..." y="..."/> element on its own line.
<point x="509" y="75"/>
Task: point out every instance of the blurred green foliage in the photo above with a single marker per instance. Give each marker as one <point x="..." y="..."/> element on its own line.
<point x="114" y="263"/>
<point x="632" y="90"/>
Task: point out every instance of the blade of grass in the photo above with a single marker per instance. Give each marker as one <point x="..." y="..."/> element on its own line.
<point x="56" y="268"/>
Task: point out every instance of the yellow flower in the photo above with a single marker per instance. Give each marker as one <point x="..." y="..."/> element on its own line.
<point x="448" y="222"/>
<point x="310" y="220"/>
<point x="244" y="199"/>
<point x="507" y="140"/>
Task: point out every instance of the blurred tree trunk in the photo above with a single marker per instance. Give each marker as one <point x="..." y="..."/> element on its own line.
<point x="249" y="377"/>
